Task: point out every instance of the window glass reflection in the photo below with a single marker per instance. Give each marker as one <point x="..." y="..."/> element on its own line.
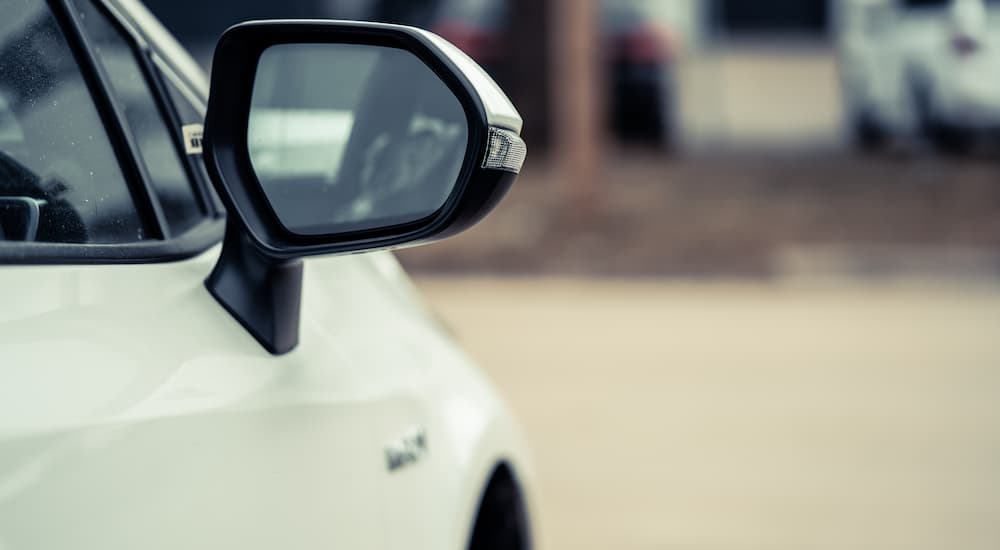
<point x="60" y="180"/>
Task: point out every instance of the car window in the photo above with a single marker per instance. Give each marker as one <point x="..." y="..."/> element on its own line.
<point x="922" y="4"/>
<point x="620" y="17"/>
<point x="481" y="13"/>
<point x="60" y="180"/>
<point x="158" y="147"/>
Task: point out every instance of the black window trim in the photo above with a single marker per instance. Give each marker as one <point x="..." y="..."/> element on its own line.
<point x="160" y="246"/>
<point x="183" y="86"/>
<point x="164" y="104"/>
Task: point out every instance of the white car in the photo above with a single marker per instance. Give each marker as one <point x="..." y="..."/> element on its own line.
<point x="171" y="377"/>
<point x="929" y="67"/>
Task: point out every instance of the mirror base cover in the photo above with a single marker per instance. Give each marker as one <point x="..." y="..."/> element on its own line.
<point x="259" y="276"/>
<point x="264" y="294"/>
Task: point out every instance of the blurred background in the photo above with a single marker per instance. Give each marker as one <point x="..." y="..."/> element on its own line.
<point x="745" y="293"/>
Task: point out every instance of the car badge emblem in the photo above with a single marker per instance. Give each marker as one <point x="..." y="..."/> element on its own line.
<point x="406" y="449"/>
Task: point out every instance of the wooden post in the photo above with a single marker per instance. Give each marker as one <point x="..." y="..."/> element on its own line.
<point x="577" y="102"/>
<point x="527" y="77"/>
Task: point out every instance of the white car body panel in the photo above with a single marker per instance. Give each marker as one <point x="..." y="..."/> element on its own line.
<point x="135" y="412"/>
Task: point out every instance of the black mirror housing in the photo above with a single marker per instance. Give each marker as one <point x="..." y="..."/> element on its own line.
<point x="258" y="277"/>
<point x="483" y="179"/>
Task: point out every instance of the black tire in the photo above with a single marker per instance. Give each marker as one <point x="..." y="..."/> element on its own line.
<point x="641" y="110"/>
<point x="950" y="140"/>
<point x="502" y="521"/>
<point x="944" y="138"/>
<point x="869" y="136"/>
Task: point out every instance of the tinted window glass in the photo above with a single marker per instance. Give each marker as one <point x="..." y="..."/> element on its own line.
<point x="152" y="134"/>
<point x="926" y="3"/>
<point x="619" y="17"/>
<point x="192" y="111"/>
<point x="60" y="180"/>
<point x="486" y="13"/>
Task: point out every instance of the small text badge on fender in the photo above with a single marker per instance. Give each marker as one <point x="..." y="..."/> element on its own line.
<point x="406" y="449"/>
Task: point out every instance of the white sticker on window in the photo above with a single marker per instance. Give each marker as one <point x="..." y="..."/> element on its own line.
<point x="192" y="138"/>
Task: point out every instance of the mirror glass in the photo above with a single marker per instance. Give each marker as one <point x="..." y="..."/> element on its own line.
<point x="347" y="137"/>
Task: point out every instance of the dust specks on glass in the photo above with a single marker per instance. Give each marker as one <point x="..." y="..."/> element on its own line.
<point x="149" y="128"/>
<point x="60" y="180"/>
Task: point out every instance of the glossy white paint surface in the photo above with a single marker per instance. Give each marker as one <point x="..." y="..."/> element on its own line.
<point x="136" y="413"/>
<point x="500" y="112"/>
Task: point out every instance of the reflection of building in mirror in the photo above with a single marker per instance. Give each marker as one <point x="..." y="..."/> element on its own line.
<point x="299" y="142"/>
<point x="394" y="169"/>
<point x="352" y="136"/>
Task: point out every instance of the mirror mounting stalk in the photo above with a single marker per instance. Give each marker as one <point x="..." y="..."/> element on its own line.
<point x="272" y="221"/>
<point x="263" y="293"/>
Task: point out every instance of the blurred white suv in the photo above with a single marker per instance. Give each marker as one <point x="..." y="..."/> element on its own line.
<point x="920" y="67"/>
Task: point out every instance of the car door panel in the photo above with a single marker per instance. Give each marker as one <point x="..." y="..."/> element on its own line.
<point x="140" y="408"/>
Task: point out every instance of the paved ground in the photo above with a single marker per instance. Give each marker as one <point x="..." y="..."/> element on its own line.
<point x="729" y="214"/>
<point x="718" y="416"/>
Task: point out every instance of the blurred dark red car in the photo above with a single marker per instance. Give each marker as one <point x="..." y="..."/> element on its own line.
<point x="639" y="54"/>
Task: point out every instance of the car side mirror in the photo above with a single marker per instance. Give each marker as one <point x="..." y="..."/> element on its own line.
<point x="339" y="137"/>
